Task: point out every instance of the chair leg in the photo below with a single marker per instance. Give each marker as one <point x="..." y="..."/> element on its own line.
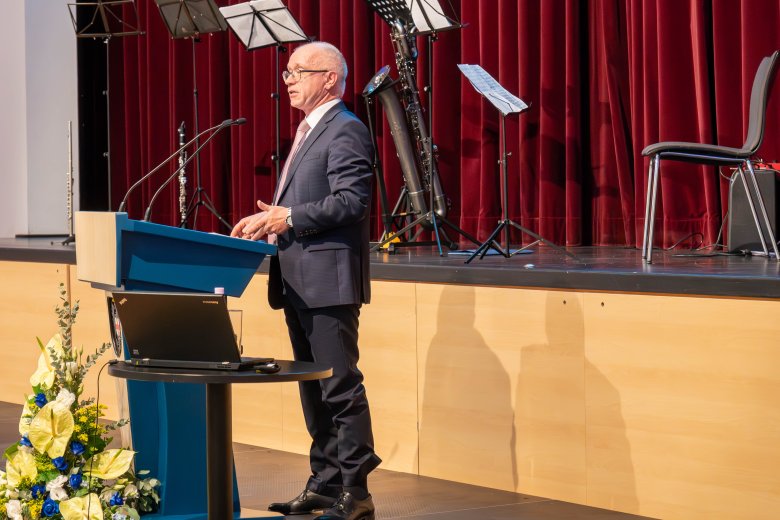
<point x="653" y="200"/>
<point x="752" y="205"/>
<point x="764" y="214"/>
<point x="647" y="206"/>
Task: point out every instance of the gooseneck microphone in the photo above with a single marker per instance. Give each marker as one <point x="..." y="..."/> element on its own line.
<point x="226" y="123"/>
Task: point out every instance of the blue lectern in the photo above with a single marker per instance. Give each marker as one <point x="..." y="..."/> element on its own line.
<point x="168" y="421"/>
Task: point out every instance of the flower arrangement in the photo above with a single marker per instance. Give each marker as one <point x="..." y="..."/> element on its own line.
<point x="62" y="468"/>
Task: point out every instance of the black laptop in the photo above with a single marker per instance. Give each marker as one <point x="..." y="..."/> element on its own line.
<point x="180" y="330"/>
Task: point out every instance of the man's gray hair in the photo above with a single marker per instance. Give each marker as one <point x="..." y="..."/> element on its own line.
<point x="330" y="58"/>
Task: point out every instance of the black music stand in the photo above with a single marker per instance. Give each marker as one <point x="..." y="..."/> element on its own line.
<point x="506" y="104"/>
<point x="423" y="18"/>
<point x="264" y="23"/>
<point x="105" y="20"/>
<point x="190" y="19"/>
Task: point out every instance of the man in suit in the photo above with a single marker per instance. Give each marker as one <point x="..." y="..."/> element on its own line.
<point x="319" y="219"/>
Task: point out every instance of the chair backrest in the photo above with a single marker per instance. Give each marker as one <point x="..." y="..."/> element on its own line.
<point x="758" y="99"/>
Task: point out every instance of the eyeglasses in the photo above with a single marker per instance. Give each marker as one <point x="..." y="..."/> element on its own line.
<point x="296" y="74"/>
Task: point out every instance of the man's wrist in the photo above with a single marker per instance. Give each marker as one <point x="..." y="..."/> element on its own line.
<point x="288" y="218"/>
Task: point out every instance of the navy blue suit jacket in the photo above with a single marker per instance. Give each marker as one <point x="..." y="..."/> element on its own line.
<point x="324" y="260"/>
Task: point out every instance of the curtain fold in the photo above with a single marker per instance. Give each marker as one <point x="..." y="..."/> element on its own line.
<point x="604" y="79"/>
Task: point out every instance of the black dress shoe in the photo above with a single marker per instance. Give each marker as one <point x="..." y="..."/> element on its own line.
<point x="305" y="503"/>
<point x="347" y="507"/>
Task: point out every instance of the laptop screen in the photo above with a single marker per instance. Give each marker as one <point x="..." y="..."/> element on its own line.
<point x="187" y="327"/>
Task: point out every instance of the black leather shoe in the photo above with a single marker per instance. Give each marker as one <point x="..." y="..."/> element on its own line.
<point x="304" y="504"/>
<point x="347" y="507"/>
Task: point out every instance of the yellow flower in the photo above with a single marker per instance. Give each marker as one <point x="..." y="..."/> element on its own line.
<point x="35" y="508"/>
<point x="50" y="430"/>
<point x="20" y="466"/>
<point x="109" y="464"/>
<point x="82" y="508"/>
<point x="24" y="420"/>
<point x="44" y="375"/>
<point x="83" y="438"/>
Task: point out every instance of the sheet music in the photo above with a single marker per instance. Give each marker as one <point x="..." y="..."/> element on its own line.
<point x="435" y="15"/>
<point x="252" y="33"/>
<point x="486" y="85"/>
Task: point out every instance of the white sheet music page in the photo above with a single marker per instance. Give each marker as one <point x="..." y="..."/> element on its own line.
<point x="486" y="85"/>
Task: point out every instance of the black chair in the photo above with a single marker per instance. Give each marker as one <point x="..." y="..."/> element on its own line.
<point x="719" y="155"/>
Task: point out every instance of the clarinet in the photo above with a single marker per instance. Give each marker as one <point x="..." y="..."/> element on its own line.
<point x="182" y="176"/>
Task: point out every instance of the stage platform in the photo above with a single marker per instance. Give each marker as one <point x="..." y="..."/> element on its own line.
<point x="595" y="380"/>
<point x="613" y="269"/>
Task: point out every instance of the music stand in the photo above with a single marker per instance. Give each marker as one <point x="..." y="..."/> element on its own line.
<point x="423" y="18"/>
<point x="506" y="104"/>
<point x="263" y="23"/>
<point x="190" y="19"/>
<point x="105" y="20"/>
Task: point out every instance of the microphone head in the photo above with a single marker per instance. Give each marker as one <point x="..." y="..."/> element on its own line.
<point x="226" y="122"/>
<point x="239" y="121"/>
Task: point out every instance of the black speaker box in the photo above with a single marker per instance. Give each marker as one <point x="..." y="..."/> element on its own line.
<point x="742" y="233"/>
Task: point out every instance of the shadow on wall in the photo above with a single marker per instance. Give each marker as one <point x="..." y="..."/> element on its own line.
<point x="466" y="416"/>
<point x="571" y="437"/>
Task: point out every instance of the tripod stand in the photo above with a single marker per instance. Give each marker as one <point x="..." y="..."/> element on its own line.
<point x="506" y="103"/>
<point x="190" y="19"/>
<point x="104" y="19"/>
<point x="260" y="24"/>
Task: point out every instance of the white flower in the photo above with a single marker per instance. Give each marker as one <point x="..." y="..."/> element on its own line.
<point x="65" y="398"/>
<point x="58" y="494"/>
<point x="118" y="516"/>
<point x="58" y="482"/>
<point x="13" y="508"/>
<point x="130" y="491"/>
<point x="71" y="370"/>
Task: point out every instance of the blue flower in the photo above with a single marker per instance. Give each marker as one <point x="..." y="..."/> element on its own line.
<point x="76" y="447"/>
<point x="116" y="500"/>
<point x="60" y="463"/>
<point x="38" y="489"/>
<point x="75" y="480"/>
<point x="50" y="507"/>
<point x="40" y="399"/>
<point x="25" y="441"/>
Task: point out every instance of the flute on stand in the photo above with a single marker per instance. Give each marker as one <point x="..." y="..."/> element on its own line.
<point x="69" y="188"/>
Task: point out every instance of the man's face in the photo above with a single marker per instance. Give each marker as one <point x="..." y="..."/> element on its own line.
<point x="312" y="89"/>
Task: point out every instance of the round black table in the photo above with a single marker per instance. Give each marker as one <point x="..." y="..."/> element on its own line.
<point x="219" y="425"/>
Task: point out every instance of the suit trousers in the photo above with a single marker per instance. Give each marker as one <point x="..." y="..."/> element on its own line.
<point x="336" y="409"/>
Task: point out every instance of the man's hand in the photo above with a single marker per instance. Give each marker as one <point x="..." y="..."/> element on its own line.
<point x="271" y="219"/>
<point x="274" y="218"/>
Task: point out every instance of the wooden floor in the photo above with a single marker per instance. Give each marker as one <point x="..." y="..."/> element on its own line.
<point x="267" y="475"/>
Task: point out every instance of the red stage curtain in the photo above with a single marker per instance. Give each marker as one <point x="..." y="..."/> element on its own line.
<point x="604" y="79"/>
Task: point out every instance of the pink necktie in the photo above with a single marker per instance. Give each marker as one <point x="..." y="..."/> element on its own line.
<point x="299" y="135"/>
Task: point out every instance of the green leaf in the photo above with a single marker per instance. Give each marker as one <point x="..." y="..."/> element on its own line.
<point x="11" y="450"/>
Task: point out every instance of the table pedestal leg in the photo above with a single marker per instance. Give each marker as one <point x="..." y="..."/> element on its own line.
<point x="219" y="451"/>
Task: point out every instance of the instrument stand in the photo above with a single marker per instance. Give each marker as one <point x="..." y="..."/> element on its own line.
<point x="190" y="19"/>
<point x="506" y="103"/>
<point x="427" y="16"/>
<point x="199" y="195"/>
<point x="260" y="24"/>
<point x="106" y="21"/>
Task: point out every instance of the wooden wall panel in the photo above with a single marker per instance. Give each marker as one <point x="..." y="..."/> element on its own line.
<point x="257" y="408"/>
<point x="682" y="411"/>
<point x="657" y="405"/>
<point x="29" y="292"/>
<point x="388" y="350"/>
<point x="500" y="397"/>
